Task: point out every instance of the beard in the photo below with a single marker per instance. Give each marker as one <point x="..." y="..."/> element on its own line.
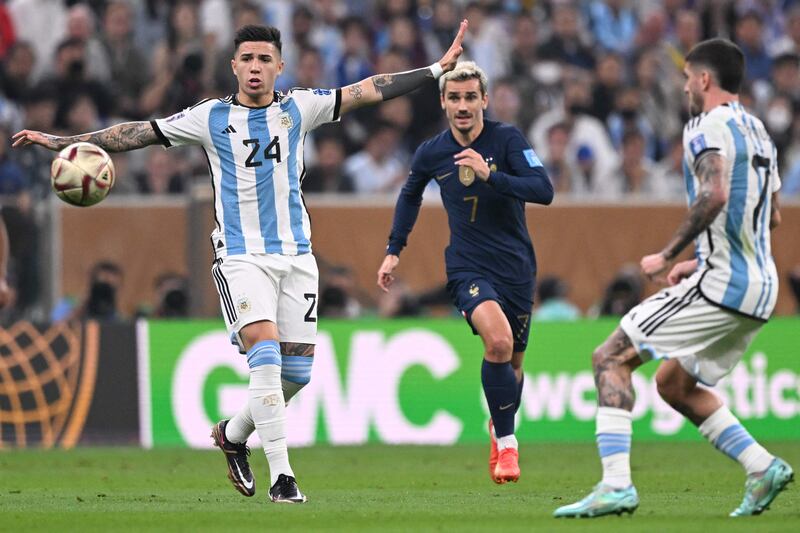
<point x="696" y="104"/>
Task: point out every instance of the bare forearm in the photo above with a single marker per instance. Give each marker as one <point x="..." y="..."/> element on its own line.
<point x="383" y="87"/>
<point x="710" y="201"/>
<point x="120" y="138"/>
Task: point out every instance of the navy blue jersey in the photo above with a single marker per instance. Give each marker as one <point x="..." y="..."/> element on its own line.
<point x="488" y="233"/>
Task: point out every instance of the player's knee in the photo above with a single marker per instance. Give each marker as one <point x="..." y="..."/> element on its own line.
<point x="499" y="349"/>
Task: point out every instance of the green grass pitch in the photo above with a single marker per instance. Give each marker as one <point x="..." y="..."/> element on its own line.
<point x="682" y="486"/>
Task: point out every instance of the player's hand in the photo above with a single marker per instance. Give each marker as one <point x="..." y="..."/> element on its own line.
<point x="475" y="161"/>
<point x="450" y="58"/>
<point x="6" y="293"/>
<point x="654" y="266"/>
<point x="29" y="137"/>
<point x="682" y="270"/>
<point x="385" y="277"/>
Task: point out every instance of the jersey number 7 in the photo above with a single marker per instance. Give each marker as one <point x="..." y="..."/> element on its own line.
<point x="272" y="151"/>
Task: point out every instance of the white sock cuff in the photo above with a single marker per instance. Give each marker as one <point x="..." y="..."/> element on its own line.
<point x="265" y="377"/>
<point x="614" y="420"/>
<point x="713" y="426"/>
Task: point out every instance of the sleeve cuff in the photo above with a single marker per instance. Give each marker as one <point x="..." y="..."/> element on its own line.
<point x="160" y="135"/>
<point x="337" y="105"/>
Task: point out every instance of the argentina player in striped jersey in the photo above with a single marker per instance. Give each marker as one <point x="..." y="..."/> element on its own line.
<point x="715" y="304"/>
<point x="264" y="270"/>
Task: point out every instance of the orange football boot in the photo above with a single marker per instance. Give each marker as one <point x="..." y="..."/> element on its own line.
<point x="507" y="468"/>
<point x="492" y="451"/>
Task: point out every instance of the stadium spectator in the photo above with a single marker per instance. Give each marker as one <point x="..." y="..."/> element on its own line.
<point x="39" y="109"/>
<point x="627" y="116"/>
<point x="81" y="25"/>
<point x="560" y="168"/>
<point x="686" y="35"/>
<point x="635" y="167"/>
<point x="487" y="42"/>
<point x="16" y="74"/>
<point x="377" y="168"/>
<point x="70" y="80"/>
<point x="354" y="64"/>
<point x="613" y="24"/>
<point x="553" y="302"/>
<point x="13" y="180"/>
<point x="505" y="102"/>
<point x="661" y="94"/>
<point x="666" y="176"/>
<point x="328" y="174"/>
<point x="750" y="38"/>
<point x="100" y="302"/>
<point x="43" y="24"/>
<point x="566" y="45"/>
<point x="440" y="34"/>
<point x="182" y="65"/>
<point x="589" y="143"/>
<point x="128" y="64"/>
<point x="609" y="78"/>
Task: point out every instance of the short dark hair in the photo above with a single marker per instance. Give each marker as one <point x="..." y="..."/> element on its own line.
<point x="725" y="60"/>
<point x="252" y="32"/>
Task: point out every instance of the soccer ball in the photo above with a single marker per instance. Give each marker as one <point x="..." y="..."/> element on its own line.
<point x="82" y="174"/>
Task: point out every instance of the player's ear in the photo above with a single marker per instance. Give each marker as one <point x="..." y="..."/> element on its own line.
<point x="280" y="67"/>
<point x="233" y="66"/>
<point x="441" y="100"/>
<point x="485" y="103"/>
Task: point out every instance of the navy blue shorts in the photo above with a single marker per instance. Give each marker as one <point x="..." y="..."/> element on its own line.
<point x="467" y="290"/>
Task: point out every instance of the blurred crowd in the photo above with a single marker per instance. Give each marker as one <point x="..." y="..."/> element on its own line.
<point x="596" y="85"/>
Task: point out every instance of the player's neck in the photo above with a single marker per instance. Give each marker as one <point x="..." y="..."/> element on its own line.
<point x="465" y="139"/>
<point x="717" y="98"/>
<point x="262" y="101"/>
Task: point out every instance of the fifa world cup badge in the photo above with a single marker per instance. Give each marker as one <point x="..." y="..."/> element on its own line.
<point x="466" y="175"/>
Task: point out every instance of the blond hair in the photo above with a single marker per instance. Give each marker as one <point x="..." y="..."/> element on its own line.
<point x="466" y="70"/>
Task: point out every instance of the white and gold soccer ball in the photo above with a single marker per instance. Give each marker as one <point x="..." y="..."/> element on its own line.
<point x="82" y="174"/>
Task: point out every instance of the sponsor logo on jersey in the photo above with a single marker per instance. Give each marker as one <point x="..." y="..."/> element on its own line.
<point x="176" y="116"/>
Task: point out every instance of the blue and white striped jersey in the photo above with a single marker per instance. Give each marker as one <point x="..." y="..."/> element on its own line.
<point x="735" y="254"/>
<point x="255" y="156"/>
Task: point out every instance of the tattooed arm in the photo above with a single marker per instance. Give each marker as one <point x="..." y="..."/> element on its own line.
<point x="710" y="200"/>
<point x="120" y="138"/>
<point x="387" y="86"/>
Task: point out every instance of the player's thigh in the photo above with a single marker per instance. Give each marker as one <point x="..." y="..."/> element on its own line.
<point x="297" y="302"/>
<point x="491" y="324"/>
<point x="248" y="296"/>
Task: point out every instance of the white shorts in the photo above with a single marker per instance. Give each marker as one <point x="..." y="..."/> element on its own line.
<point x="279" y="288"/>
<point x="679" y="323"/>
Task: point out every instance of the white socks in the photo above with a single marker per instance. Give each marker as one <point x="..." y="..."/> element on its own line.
<point x="268" y="409"/>
<point x="614" y="445"/>
<point x="240" y="426"/>
<point x="728" y="435"/>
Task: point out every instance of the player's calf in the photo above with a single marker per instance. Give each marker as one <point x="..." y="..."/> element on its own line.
<point x="295" y="374"/>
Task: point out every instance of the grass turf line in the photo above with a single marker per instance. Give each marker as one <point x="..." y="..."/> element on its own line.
<point x="682" y="487"/>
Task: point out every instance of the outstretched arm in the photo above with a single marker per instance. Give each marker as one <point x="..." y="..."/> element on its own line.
<point x="710" y="200"/>
<point x="387" y="86"/>
<point x="120" y="138"/>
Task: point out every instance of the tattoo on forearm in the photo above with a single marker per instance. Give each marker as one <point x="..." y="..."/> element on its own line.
<point x="297" y="348"/>
<point x="705" y="207"/>
<point x="356" y="91"/>
<point x="612" y="373"/>
<point x="119" y="138"/>
<point x="392" y="85"/>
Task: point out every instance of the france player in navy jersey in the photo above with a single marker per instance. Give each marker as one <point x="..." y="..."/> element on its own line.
<point x="264" y="270"/>
<point x="486" y="172"/>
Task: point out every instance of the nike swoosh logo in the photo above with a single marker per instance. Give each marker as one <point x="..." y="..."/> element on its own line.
<point x="443" y="176"/>
<point x="504" y="407"/>
<point x="247" y="484"/>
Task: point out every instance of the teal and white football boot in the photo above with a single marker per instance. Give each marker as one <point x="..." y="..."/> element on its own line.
<point x="761" y="488"/>
<point x="603" y="500"/>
